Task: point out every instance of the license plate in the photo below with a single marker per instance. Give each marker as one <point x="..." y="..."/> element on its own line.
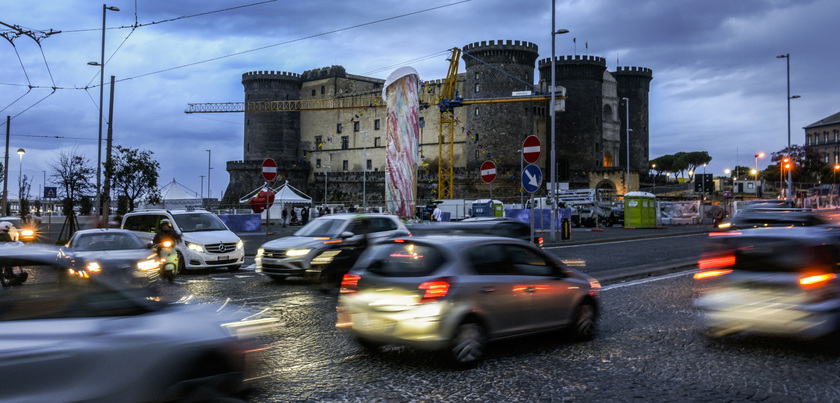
<point x="366" y="322"/>
<point x="222" y="258"/>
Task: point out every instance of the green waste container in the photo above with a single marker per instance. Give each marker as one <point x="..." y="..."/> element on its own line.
<point x="639" y="210"/>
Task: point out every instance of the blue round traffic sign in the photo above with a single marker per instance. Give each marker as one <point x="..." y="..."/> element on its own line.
<point x="532" y="177"/>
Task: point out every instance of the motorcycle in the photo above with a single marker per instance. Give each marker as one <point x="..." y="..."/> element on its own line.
<point x="168" y="259"/>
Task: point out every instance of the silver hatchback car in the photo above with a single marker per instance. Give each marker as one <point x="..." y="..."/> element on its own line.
<point x="455" y="293"/>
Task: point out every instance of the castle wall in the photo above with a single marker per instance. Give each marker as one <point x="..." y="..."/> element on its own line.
<point x="495" y="131"/>
<point x="581" y="125"/>
<point x="634" y="84"/>
<point x="590" y="134"/>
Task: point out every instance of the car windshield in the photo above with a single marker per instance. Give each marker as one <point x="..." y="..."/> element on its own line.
<point x="322" y="227"/>
<point x="196" y="222"/>
<point x="402" y="259"/>
<point x="106" y="241"/>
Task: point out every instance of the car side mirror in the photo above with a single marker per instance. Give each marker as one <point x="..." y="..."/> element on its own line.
<point x="346" y="234"/>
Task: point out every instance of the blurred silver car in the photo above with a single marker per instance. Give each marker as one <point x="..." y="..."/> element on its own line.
<point x="100" y="340"/>
<point x="128" y="256"/>
<point x="327" y="247"/>
<point x="456" y="293"/>
<point x="779" y="281"/>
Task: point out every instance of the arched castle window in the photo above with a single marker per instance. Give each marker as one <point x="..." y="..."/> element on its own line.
<point x="608" y="159"/>
<point x="323" y="90"/>
<point x="608" y="113"/>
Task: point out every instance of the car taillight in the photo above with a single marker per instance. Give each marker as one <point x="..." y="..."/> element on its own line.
<point x="350" y="283"/>
<point x="716" y="260"/>
<point x="816" y="280"/>
<point x="711" y="273"/>
<point x="435" y="289"/>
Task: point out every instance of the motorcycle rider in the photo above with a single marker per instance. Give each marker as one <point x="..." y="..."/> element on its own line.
<point x="5" y="226"/>
<point x="165" y="231"/>
<point x="7" y="274"/>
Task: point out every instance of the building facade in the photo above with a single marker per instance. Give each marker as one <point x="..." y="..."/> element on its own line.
<point x="334" y="149"/>
<point x="824" y="137"/>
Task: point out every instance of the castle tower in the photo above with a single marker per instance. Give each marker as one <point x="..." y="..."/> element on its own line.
<point x="579" y="129"/>
<point x="495" y="131"/>
<point x="273" y="135"/>
<point x="634" y="84"/>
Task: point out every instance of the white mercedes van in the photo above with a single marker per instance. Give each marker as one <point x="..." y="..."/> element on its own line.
<point x="206" y="240"/>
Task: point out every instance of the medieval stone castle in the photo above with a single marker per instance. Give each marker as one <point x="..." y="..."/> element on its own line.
<point x="339" y="147"/>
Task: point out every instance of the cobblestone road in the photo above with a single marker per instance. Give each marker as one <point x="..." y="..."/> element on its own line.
<point x="650" y="348"/>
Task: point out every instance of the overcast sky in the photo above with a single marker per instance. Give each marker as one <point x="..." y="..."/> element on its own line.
<point x="717" y="84"/>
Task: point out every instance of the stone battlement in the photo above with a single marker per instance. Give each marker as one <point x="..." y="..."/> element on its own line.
<point x="278" y="75"/>
<point x="324" y="72"/>
<point x="577" y="59"/>
<point x="633" y="70"/>
<point x="500" y="44"/>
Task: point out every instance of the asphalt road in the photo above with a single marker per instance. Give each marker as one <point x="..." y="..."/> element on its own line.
<point x="650" y="347"/>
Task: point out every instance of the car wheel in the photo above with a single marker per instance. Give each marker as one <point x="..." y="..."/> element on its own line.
<point x="279" y="279"/>
<point x="182" y="264"/>
<point x="584" y="323"/>
<point x="234" y="267"/>
<point x="369" y="346"/>
<point x="466" y="348"/>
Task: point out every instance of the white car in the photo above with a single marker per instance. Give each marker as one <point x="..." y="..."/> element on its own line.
<point x="207" y="241"/>
<point x="100" y="340"/>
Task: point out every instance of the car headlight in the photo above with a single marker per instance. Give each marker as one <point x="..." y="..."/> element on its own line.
<point x="240" y="245"/>
<point x="148" y="265"/>
<point x="297" y="252"/>
<point x="93" y="267"/>
<point x="194" y="247"/>
<point x="260" y="252"/>
<point x="27" y="233"/>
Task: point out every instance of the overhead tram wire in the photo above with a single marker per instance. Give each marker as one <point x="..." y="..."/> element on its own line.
<point x="232" y="54"/>
<point x="298" y="39"/>
<point x="137" y="25"/>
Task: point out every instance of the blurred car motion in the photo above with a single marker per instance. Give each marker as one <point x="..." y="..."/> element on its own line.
<point x="326" y="247"/>
<point x="128" y="256"/>
<point x="760" y="216"/>
<point x="100" y="340"/>
<point x="495" y="226"/>
<point x="453" y="294"/>
<point x="780" y="281"/>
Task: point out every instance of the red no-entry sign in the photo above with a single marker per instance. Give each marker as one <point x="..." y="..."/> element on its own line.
<point x="531" y="149"/>
<point x="269" y="169"/>
<point x="488" y="171"/>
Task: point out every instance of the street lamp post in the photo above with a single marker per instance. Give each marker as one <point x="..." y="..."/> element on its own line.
<point x="209" y="153"/>
<point x="554" y="32"/>
<point x="757" y="156"/>
<point x="627" y="126"/>
<point x="364" y="171"/>
<point x="786" y="56"/>
<point x="326" y="167"/>
<point x="20" y="152"/>
<point x="98" y="206"/>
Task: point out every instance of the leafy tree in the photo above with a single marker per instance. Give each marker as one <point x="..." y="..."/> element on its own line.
<point x="664" y="163"/>
<point x="85" y="205"/>
<point x="135" y="173"/>
<point x="72" y="172"/>
<point x="807" y="165"/>
<point x="693" y="160"/>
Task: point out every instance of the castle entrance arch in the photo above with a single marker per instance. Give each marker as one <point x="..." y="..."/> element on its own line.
<point x="606" y="190"/>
